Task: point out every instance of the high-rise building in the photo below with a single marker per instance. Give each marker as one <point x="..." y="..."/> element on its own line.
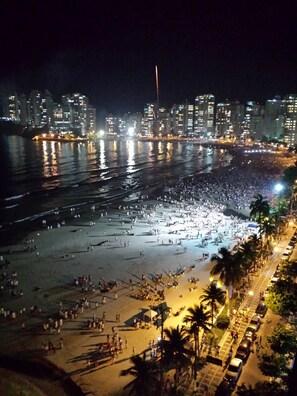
<point x="204" y="115"/>
<point x="149" y="120"/>
<point x="290" y="127"/>
<point x="164" y="122"/>
<point x="133" y="124"/>
<point x="237" y="112"/>
<point x="11" y="108"/>
<point x="111" y="125"/>
<point x="35" y="109"/>
<point x="253" y="111"/>
<point x="274" y="118"/>
<point x="79" y="112"/>
<point x="46" y="110"/>
<point x="223" y="119"/>
<point x="24" y="106"/>
<point x="61" y="118"/>
<point x="92" y="119"/>
<point x="182" y="119"/>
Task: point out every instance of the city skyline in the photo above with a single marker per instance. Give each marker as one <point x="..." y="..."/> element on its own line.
<point x="204" y="117"/>
<point x="109" y="51"/>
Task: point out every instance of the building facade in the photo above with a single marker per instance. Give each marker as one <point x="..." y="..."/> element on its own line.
<point x="204" y="113"/>
<point x="290" y="124"/>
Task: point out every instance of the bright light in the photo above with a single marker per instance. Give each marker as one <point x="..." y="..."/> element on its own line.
<point x="278" y="187"/>
<point x="210" y="279"/>
<point x="251" y="293"/>
<point x="131" y="131"/>
<point x="101" y="132"/>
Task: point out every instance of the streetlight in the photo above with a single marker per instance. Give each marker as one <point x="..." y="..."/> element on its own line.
<point x="278" y="188"/>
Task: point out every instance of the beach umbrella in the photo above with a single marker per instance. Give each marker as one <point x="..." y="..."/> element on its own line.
<point x="150" y="314"/>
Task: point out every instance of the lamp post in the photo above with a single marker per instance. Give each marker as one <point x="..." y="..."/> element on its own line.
<point x="162" y="351"/>
<point x="293" y="188"/>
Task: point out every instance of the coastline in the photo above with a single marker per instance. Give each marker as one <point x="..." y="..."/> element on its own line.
<point x="16" y="232"/>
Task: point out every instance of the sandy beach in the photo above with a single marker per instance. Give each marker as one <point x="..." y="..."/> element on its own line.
<point x="140" y="251"/>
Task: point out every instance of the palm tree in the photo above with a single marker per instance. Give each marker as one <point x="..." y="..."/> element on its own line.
<point x="176" y="353"/>
<point x="249" y="254"/>
<point x="228" y="267"/>
<point x="145" y="373"/>
<point x="268" y="228"/>
<point x="198" y="319"/>
<point x="212" y="296"/>
<point x="260" y="208"/>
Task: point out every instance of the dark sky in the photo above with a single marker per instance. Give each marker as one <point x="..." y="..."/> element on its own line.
<point x="236" y="49"/>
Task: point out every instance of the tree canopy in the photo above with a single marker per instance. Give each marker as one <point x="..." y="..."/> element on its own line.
<point x="282" y="297"/>
<point x="273" y="365"/>
<point x="283" y="340"/>
<point x="145" y="375"/>
<point x="262" y="388"/>
<point x="290" y="174"/>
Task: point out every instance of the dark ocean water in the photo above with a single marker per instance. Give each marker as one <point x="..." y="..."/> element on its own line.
<point x="39" y="178"/>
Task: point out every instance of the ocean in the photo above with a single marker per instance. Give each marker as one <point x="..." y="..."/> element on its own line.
<point x="41" y="178"/>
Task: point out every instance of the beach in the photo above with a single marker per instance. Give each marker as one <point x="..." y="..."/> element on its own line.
<point x="76" y="291"/>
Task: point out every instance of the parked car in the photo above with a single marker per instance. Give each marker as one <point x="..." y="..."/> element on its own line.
<point x="286" y="256"/>
<point x="251" y="332"/>
<point x="261" y="309"/>
<point x="225" y="388"/>
<point x="277" y="273"/>
<point x="234" y="370"/>
<point x="244" y="349"/>
<point x="273" y="281"/>
<point x="256" y="321"/>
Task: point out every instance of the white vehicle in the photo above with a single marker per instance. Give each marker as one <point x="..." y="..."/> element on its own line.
<point x="234" y="370"/>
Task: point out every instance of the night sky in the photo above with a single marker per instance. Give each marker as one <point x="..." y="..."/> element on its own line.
<point x="235" y="49"/>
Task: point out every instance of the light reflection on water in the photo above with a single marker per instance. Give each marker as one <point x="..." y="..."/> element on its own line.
<point x="57" y="174"/>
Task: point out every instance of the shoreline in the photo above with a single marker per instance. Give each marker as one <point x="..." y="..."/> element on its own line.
<point x="16" y="232"/>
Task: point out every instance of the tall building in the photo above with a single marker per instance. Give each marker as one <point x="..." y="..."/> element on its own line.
<point x="253" y="114"/>
<point x="46" y="110"/>
<point x="133" y="124"/>
<point x="61" y="118"/>
<point x="223" y="119"/>
<point x="11" y="108"/>
<point x="182" y="119"/>
<point x="290" y="126"/>
<point x="92" y="119"/>
<point x="237" y="112"/>
<point x="274" y="118"/>
<point x="204" y="115"/>
<point x="111" y="125"/>
<point x="149" y="120"/>
<point x="24" y="106"/>
<point x="79" y="112"/>
<point x="35" y="109"/>
<point x="164" y="122"/>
